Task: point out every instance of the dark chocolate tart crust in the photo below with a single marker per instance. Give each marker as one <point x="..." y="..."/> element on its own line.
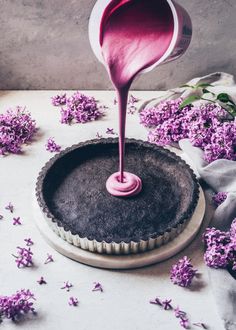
<point x="71" y="193"/>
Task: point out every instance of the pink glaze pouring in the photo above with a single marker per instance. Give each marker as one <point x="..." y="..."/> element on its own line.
<point x="134" y="35"/>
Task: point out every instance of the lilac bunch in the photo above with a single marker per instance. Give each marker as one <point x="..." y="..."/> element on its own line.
<point x="52" y="146"/>
<point x="15" y="306"/>
<point x="182" y="273"/>
<point x="219" y="198"/>
<point x="206" y="125"/>
<point x="16" y="128"/>
<point x="24" y="257"/>
<point x="59" y="99"/>
<point x="80" y="108"/>
<point x="220" y="247"/>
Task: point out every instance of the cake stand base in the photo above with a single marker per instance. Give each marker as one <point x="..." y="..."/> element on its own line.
<point x="123" y="261"/>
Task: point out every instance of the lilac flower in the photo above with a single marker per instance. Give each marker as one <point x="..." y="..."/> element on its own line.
<point x="97" y="287"/>
<point x="179" y="313"/>
<point x="73" y="301"/>
<point x="110" y="131"/>
<point x="182" y="273"/>
<point x="220" y="248"/>
<point x="52" y="146"/>
<point x="15" y="306"/>
<point x="24" y="257"/>
<point x="16" y="221"/>
<point x="200" y="325"/>
<point x="80" y="108"/>
<point x="219" y="197"/>
<point x="207" y="126"/>
<point x="49" y="259"/>
<point x="167" y="304"/>
<point x="67" y="286"/>
<point x="41" y="281"/>
<point x="184" y="323"/>
<point x="16" y="128"/>
<point x="28" y="241"/>
<point x="10" y="207"/>
<point x="58" y="99"/>
<point x="156" y="301"/>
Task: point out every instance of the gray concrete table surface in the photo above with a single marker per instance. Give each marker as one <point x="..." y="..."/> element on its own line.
<point x="124" y="304"/>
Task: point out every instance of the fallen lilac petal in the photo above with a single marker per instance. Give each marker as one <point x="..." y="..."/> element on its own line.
<point x="16" y="221"/>
<point x="1" y="217"/>
<point x="28" y="241"/>
<point x="200" y="325"/>
<point x="97" y="287"/>
<point x="132" y="99"/>
<point x="41" y="281"/>
<point x="167" y="304"/>
<point x="110" y="131"/>
<point x="179" y="313"/>
<point x="9" y="207"/>
<point x="49" y="259"/>
<point x="98" y="135"/>
<point x="73" y="301"/>
<point x="156" y="301"/>
<point x="67" y="286"/>
<point x="184" y="323"/>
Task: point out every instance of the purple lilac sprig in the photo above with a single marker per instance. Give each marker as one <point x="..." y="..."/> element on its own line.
<point x="52" y="146"/>
<point x="207" y="126"/>
<point x="182" y="273"/>
<point x="219" y="197"/>
<point x="59" y="99"/>
<point x="17" y="305"/>
<point x="24" y="257"/>
<point x="167" y="306"/>
<point x="16" y="128"/>
<point x="220" y="247"/>
<point x="81" y="109"/>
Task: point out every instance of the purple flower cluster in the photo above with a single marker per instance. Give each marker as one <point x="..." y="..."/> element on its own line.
<point x="59" y="99"/>
<point x="24" y="257"/>
<point x="78" y="107"/>
<point x="219" y="197"/>
<point x="16" y="128"/>
<point x="52" y="146"/>
<point x="220" y="247"/>
<point x="207" y="126"/>
<point x="73" y="301"/>
<point x="15" y="306"/>
<point x="182" y="273"/>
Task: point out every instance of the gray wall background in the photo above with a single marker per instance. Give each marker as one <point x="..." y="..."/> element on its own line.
<point x="44" y="45"/>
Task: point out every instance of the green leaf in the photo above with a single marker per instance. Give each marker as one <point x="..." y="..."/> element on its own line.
<point x="189" y="100"/>
<point x="202" y="85"/>
<point x="188" y="86"/>
<point x="206" y="91"/>
<point x="232" y="110"/>
<point x="223" y="97"/>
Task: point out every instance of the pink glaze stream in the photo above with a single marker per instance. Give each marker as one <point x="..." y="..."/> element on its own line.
<point x="134" y="35"/>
